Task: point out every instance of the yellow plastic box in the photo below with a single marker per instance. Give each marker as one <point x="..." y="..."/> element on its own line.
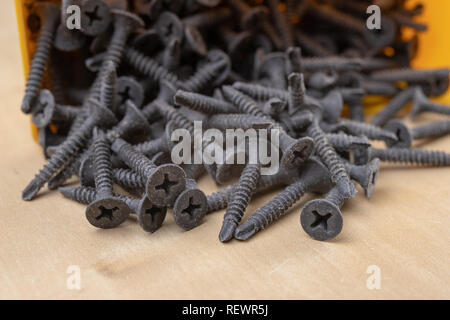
<point x="434" y="44"/>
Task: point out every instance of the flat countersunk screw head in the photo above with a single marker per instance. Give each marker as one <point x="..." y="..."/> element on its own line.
<point x="190" y="207"/>
<point x="401" y="131"/>
<point x="95" y="17"/>
<point x="150" y="217"/>
<point x="106" y="211"/>
<point x="322" y="220"/>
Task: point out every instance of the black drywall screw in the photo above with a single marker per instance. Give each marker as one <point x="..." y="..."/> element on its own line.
<point x="95" y="17"/>
<point x="72" y="168"/>
<point x="172" y="55"/>
<point x="106" y="211"/>
<point x="268" y="29"/>
<point x="272" y="66"/>
<point x="129" y="180"/>
<point x="328" y="155"/>
<point x="150" y="217"/>
<point x="371" y="131"/>
<point x="314" y="177"/>
<point x="209" y="18"/>
<point x="356" y="110"/>
<point x="250" y="17"/>
<point x="295" y="151"/>
<point x="50" y="15"/>
<point x="133" y="122"/>
<point x="219" y="200"/>
<point x="101" y="90"/>
<point x="406" y="135"/>
<point x="282" y="22"/>
<point x="343" y="142"/>
<point x="335" y="63"/>
<point x="296" y="87"/>
<point x="190" y="207"/>
<point x="274" y="107"/>
<point x="100" y="116"/>
<point x="293" y="60"/>
<point x="48" y="140"/>
<point x="422" y="104"/>
<point x="149" y="67"/>
<point x="124" y="24"/>
<point x="310" y="45"/>
<point x="404" y="156"/>
<point x="202" y="103"/>
<point x="47" y="110"/>
<point x="396" y="104"/>
<point x="233" y="121"/>
<point x="208" y="74"/>
<point x="366" y="175"/>
<point x="239" y="201"/>
<point x="163" y="183"/>
<point x="378" y="39"/>
<point x="236" y="43"/>
<point x="410" y="75"/>
<point x="129" y="88"/>
<point x="322" y="218"/>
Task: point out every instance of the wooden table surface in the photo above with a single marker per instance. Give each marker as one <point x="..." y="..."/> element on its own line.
<point x="403" y="230"/>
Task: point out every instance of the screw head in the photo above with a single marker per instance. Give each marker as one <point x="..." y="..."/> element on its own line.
<point x="190" y="208"/>
<point x="150" y="217"/>
<point x="373" y="169"/>
<point x="129" y="89"/>
<point x="107" y="213"/>
<point x="45" y="108"/>
<point x="165" y="184"/>
<point x="218" y="56"/>
<point x="297" y="153"/>
<point x="404" y="138"/>
<point x="384" y="36"/>
<point x="194" y="40"/>
<point x="147" y="42"/>
<point x="68" y="40"/>
<point x="168" y="26"/>
<point x="321" y="220"/>
<point x="127" y="19"/>
<point x="95" y="17"/>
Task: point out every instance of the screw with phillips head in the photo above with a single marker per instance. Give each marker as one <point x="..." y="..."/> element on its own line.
<point x="47" y="110"/>
<point x="366" y="175"/>
<point x="50" y="15"/>
<point x="422" y="104"/>
<point x="322" y="219"/>
<point x="106" y="211"/>
<point x="150" y="217"/>
<point x="100" y="116"/>
<point x="190" y="207"/>
<point x="395" y="105"/>
<point x="314" y="177"/>
<point x="163" y="183"/>
<point x="406" y="135"/>
<point x="95" y="17"/>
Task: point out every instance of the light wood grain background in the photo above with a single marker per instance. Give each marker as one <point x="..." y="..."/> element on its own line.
<point x="403" y="229"/>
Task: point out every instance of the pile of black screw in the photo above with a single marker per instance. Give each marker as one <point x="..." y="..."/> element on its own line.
<point x="137" y="70"/>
